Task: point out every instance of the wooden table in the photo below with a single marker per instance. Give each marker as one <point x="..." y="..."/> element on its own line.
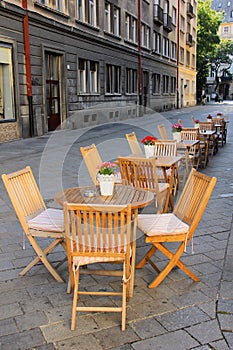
<point x="122" y="195"/>
<point x="187" y="144"/>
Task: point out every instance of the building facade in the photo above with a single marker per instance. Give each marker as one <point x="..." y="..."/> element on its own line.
<point x="225" y="31"/>
<point x="85" y="62"/>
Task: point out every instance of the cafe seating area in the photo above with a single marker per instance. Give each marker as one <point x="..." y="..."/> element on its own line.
<point x="97" y="229"/>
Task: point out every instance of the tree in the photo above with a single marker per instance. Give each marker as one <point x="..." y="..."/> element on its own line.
<point x="221" y="59"/>
<point x="208" y="22"/>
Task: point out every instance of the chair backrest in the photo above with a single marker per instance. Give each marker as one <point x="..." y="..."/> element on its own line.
<point x="206" y="126"/>
<point x="165" y="148"/>
<point x="133" y="143"/>
<point x="139" y="173"/>
<point x="97" y="230"/>
<point x="92" y="160"/>
<point x="163" y="132"/>
<point x="24" y="194"/>
<point x="194" y="199"/>
<point x="189" y="134"/>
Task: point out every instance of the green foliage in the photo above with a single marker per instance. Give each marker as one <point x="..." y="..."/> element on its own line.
<point x="208" y="22"/>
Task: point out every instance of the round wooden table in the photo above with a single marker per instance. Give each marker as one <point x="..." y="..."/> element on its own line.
<point x="122" y="195"/>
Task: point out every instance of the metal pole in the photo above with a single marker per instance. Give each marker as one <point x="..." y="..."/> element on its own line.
<point x="139" y="55"/>
<point x="178" y="56"/>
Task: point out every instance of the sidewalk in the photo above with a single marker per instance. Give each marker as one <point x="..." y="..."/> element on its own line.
<point x="35" y="311"/>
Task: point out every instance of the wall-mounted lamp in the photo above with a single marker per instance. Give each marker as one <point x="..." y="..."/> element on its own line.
<point x="185" y="86"/>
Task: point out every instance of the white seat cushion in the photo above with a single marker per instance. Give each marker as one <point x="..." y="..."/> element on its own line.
<point x="51" y="220"/>
<point x="161" y="224"/>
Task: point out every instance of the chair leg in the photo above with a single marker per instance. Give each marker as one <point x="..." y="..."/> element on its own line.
<point x="175" y="257"/>
<point x="148" y="255"/>
<point x="179" y="263"/>
<point x="75" y="300"/>
<point x="124" y="294"/>
<point x="41" y="256"/>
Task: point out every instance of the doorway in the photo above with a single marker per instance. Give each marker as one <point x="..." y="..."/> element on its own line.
<point x="52" y="97"/>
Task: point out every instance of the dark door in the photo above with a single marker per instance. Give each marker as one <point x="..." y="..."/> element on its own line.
<point x="53" y="91"/>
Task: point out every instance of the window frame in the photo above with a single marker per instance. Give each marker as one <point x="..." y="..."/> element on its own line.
<point x="12" y="81"/>
<point x="87" y="12"/>
<point x="131" y="83"/>
<point x="113" y="79"/>
<point x="88" y="78"/>
<point x="156" y="83"/>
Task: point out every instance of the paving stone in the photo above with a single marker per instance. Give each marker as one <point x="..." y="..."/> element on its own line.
<point x="226" y="321"/>
<point x="29" y="321"/>
<point x="182" y="318"/>
<point x="82" y="342"/>
<point x="191" y="298"/>
<point x="123" y="347"/>
<point x="7" y="327"/>
<point x="147" y="328"/>
<point x="219" y="345"/>
<point x="225" y="306"/>
<point x="226" y="290"/>
<point x="10" y="310"/>
<point x="229" y="339"/>
<point x="46" y="347"/>
<point x="22" y="341"/>
<point x="16" y="294"/>
<point x="206" y="332"/>
<point x="209" y="308"/>
<point x="179" y="340"/>
<point x="117" y="338"/>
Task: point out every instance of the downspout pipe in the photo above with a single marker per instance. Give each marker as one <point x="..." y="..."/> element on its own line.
<point x="178" y="57"/>
<point x="139" y="55"/>
<point x="28" y="67"/>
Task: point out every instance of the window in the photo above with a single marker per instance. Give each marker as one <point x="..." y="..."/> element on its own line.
<point x="113" y="79"/>
<point x="112" y="19"/>
<point x="193" y="61"/>
<point x="88" y="76"/>
<point x="156" y="81"/>
<point x="194" y="34"/>
<point x="145" y="36"/>
<point x="131" y="81"/>
<point x="182" y="24"/>
<point x="87" y="11"/>
<point x="187" y="58"/>
<point x="165" y="47"/>
<point x="7" y="111"/>
<point x="231" y="14"/>
<point x="181" y="55"/>
<point x="165" y="84"/>
<point x="173" y="50"/>
<point x="187" y="90"/>
<point x="229" y="3"/>
<point x="225" y="29"/>
<point x="130" y="28"/>
<point x="173" y="85"/>
<point x="59" y="5"/>
<point x="157" y="42"/>
<point x="174" y="15"/>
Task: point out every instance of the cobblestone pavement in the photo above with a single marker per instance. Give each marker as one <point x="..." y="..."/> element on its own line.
<point x="35" y="311"/>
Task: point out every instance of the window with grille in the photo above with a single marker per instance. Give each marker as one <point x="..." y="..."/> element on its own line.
<point x="131" y="81"/>
<point x="88" y="76"/>
<point x="113" y="79"/>
<point x="87" y="11"/>
<point x="112" y="18"/>
<point x="165" y="84"/>
<point x="156" y="83"/>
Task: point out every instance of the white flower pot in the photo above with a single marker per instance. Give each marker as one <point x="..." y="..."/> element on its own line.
<point x="149" y="150"/>
<point x="197" y="126"/>
<point x="106" y="184"/>
<point x="177" y="136"/>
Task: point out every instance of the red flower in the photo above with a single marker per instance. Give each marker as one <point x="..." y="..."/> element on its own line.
<point x="149" y="140"/>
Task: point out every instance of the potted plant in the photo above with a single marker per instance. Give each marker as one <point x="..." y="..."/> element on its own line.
<point x="196" y="123"/>
<point x="176" y="129"/>
<point x="149" y="145"/>
<point x="106" y="178"/>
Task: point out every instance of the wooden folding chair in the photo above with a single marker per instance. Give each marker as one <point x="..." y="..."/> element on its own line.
<point x="163" y="132"/>
<point x="92" y="160"/>
<point x="194" y="151"/>
<point x="168" y="148"/>
<point x="35" y="218"/>
<point x="142" y="173"/>
<point x="178" y="226"/>
<point x="133" y="143"/>
<point x="100" y="234"/>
